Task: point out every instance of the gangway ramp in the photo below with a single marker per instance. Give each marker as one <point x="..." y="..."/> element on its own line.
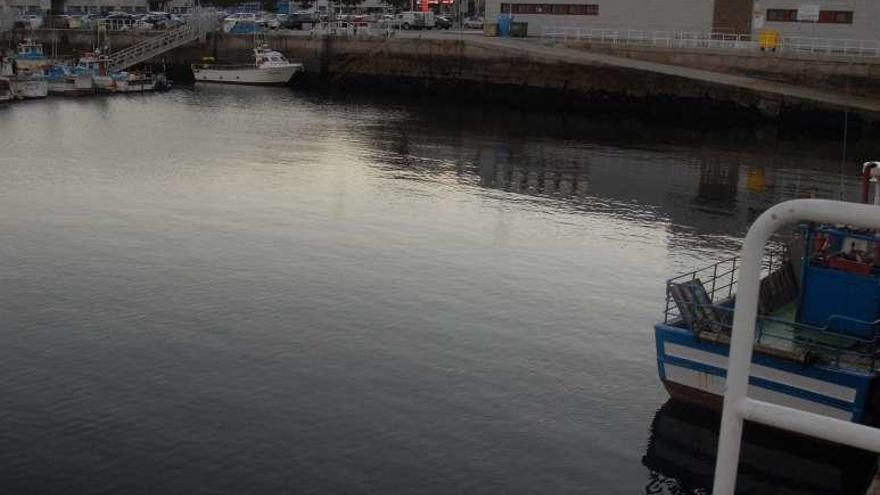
<point x="196" y="29"/>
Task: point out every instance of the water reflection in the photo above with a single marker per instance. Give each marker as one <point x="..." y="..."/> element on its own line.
<point x="681" y="458"/>
<point x="705" y="189"/>
<point x="406" y="298"/>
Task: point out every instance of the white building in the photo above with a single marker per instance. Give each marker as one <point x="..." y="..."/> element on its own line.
<point x="648" y="15"/>
<point x="836" y="19"/>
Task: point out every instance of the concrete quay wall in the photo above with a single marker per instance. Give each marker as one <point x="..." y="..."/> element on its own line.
<point x="474" y="67"/>
<point x="858" y="75"/>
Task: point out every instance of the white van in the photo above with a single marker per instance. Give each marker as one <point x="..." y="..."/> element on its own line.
<point x="415" y="20"/>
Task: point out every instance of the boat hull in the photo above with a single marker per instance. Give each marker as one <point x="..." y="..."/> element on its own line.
<point x="694" y="371"/>
<point x="253" y="76"/>
<point x="135" y="86"/>
<point x="79" y="86"/>
<point x="30" y="88"/>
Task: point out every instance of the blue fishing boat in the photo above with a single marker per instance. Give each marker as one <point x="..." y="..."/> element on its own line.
<point x="65" y="80"/>
<point x="29" y="76"/>
<point x="817" y="331"/>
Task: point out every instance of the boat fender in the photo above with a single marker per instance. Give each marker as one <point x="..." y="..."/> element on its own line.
<point x="870" y="172"/>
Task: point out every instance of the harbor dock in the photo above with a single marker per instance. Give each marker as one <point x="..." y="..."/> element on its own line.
<point x="539" y="72"/>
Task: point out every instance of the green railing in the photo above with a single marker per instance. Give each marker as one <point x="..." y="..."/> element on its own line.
<point x="810" y="344"/>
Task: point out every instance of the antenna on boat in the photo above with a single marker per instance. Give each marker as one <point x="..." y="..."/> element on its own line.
<point x="845" y="139"/>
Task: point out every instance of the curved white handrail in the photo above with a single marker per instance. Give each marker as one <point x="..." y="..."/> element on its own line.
<point x="738" y="406"/>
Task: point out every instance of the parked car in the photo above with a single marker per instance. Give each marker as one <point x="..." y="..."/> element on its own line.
<point x="474" y="23"/>
<point x="415" y="20"/>
<point x="442" y="22"/>
<point x="298" y="19"/>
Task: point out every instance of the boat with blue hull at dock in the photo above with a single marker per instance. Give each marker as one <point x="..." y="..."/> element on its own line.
<point x="817" y="332"/>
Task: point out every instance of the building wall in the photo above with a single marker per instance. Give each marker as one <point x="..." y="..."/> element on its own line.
<point x="865" y="15"/>
<point x="97" y="6"/>
<point x="180" y="6"/>
<point x="30" y="6"/>
<point x="646" y="15"/>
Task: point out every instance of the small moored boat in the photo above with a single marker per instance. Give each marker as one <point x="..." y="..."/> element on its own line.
<point x="817" y="340"/>
<point x="133" y="82"/>
<point x="269" y="67"/>
<point x="65" y="81"/>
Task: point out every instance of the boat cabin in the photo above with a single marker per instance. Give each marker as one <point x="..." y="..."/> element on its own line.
<point x="816" y="333"/>
<point x="30" y="50"/>
<point x="265" y="57"/>
<point x="819" y="299"/>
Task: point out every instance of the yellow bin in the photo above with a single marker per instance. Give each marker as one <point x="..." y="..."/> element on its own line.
<point x="768" y="40"/>
<point x="490" y="29"/>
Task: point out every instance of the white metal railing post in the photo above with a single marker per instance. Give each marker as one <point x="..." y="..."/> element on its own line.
<point x="737" y="405"/>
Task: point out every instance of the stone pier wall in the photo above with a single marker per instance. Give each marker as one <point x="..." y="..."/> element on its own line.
<point x="457" y="67"/>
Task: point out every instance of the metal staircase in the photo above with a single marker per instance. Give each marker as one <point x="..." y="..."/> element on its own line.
<point x="198" y="26"/>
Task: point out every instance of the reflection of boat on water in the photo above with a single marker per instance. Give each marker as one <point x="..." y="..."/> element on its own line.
<point x="684" y="439"/>
<point x="816" y="345"/>
<point x="269" y="67"/>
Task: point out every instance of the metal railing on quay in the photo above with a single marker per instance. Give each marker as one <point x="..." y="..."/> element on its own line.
<point x="355" y="30"/>
<point x="713" y="41"/>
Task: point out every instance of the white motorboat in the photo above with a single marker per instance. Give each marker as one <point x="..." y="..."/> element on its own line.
<point x="269" y="67"/>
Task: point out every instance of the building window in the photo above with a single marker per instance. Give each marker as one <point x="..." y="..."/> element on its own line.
<point x="781" y="15"/>
<point x="825" y="16"/>
<point x="549" y="8"/>
<point x="836" y="17"/>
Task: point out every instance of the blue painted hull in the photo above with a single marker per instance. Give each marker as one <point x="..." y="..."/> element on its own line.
<point x="694" y="371"/>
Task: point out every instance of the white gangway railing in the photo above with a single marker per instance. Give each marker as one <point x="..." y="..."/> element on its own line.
<point x="691" y="40"/>
<point x="738" y="406"/>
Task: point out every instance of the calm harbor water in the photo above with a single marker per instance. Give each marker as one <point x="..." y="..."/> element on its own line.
<point x="244" y="290"/>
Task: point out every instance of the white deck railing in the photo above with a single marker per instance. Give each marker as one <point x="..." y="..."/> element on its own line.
<point x="738" y="406"/>
<point x="713" y="41"/>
